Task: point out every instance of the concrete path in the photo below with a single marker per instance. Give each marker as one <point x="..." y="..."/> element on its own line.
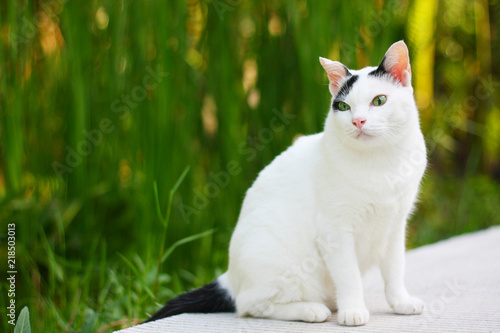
<point x="458" y="278"/>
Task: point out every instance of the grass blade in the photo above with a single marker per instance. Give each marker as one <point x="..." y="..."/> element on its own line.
<point x="90" y="321"/>
<point x="184" y="241"/>
<point x="23" y="322"/>
<point x="180" y="180"/>
<point x="157" y="202"/>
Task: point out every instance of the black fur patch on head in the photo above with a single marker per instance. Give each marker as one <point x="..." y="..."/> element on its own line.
<point x="207" y="299"/>
<point x="347" y="73"/>
<point x="380" y="71"/>
<point x="346" y="87"/>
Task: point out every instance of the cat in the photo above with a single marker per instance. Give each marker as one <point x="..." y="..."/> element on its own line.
<point x="328" y="208"/>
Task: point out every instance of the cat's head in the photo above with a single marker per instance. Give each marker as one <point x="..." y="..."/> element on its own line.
<point x="372" y="106"/>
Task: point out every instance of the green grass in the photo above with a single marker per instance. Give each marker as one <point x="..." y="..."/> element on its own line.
<point x="142" y="89"/>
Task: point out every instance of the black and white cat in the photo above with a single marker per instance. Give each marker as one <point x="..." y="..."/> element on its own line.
<point x="328" y="208"/>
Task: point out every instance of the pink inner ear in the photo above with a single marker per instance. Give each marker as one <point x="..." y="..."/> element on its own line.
<point x="335" y="76"/>
<point x="336" y="73"/>
<point x="399" y="68"/>
<point x="398" y="63"/>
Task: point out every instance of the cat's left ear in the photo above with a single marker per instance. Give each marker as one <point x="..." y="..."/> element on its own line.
<point x="397" y="63"/>
<point x="336" y="73"/>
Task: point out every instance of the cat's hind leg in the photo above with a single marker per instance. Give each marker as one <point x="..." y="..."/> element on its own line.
<point x="252" y="303"/>
<point x="311" y="312"/>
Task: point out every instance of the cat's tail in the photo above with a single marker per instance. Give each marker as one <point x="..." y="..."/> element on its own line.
<point x="207" y="299"/>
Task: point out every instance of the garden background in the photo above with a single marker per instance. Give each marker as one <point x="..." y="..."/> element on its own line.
<point x="119" y="117"/>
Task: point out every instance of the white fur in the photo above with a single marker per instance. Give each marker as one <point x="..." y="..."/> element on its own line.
<point x="328" y="208"/>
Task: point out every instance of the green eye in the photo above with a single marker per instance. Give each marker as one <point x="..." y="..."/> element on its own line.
<point x="342" y="106"/>
<point x="379" y="100"/>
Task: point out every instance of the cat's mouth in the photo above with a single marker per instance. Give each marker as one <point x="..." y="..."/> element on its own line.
<point x="363" y="135"/>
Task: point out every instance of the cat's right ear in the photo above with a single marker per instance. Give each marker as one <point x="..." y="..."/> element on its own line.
<point x="336" y="73"/>
<point x="396" y="62"/>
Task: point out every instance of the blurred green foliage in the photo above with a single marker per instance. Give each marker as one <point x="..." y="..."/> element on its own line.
<point x="101" y="99"/>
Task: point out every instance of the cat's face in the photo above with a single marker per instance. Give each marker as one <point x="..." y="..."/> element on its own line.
<point x="373" y="106"/>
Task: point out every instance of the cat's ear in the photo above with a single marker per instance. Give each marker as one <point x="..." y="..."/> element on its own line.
<point x="397" y="63"/>
<point x="336" y="73"/>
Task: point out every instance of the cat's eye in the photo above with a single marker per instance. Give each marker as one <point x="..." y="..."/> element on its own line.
<point x="342" y="106"/>
<point x="379" y="100"/>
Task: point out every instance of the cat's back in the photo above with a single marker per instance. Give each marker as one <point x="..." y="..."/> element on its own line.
<point x="284" y="190"/>
<point x="292" y="168"/>
<point x="278" y="201"/>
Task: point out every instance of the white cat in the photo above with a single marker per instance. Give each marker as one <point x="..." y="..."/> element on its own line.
<point x="328" y="208"/>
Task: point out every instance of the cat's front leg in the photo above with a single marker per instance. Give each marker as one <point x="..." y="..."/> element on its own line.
<point x="343" y="267"/>
<point x="392" y="268"/>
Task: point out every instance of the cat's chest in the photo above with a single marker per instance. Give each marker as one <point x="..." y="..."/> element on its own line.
<point x="384" y="178"/>
<point x="369" y="211"/>
<point x="370" y="194"/>
<point x="378" y="192"/>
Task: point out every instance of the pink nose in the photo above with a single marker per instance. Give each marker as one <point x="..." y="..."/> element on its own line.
<point x="359" y="122"/>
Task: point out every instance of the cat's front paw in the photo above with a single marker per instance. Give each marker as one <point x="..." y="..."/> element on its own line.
<point x="353" y="316"/>
<point x="408" y="306"/>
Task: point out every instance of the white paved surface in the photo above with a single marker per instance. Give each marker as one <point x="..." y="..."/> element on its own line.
<point x="458" y="278"/>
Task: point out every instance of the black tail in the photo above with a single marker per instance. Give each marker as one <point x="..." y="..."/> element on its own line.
<point x="207" y="299"/>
